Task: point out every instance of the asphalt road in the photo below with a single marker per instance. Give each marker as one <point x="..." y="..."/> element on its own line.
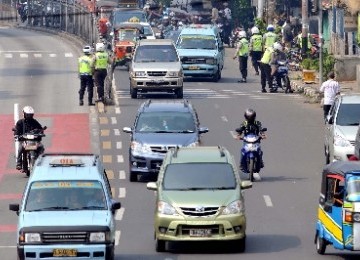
<point x="281" y="209"/>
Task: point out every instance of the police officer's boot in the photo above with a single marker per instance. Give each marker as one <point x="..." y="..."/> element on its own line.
<point x="81" y="102"/>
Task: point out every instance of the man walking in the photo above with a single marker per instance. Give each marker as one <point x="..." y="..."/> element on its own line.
<point x="330" y="88"/>
<point x="85" y="64"/>
<point x="255" y="48"/>
<point x="242" y="51"/>
<point x="101" y="61"/>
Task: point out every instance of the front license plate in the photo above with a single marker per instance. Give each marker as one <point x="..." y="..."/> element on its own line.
<point x="30" y="147"/>
<point x="200" y="232"/>
<point x="60" y="252"/>
<point x="193" y="67"/>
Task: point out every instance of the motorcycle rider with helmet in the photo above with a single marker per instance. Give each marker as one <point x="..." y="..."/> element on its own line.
<point x="250" y="126"/>
<point x="277" y="55"/>
<point x="25" y="125"/>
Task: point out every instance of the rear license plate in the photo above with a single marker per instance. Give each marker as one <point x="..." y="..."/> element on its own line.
<point x="200" y="232"/>
<point x="193" y="67"/>
<point x="60" y="252"/>
<point x="31" y="147"/>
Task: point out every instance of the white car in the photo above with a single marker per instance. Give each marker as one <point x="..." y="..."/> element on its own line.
<point x="148" y="31"/>
<point x="341" y="127"/>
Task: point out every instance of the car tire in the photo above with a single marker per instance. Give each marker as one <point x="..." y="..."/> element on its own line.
<point x="133" y="93"/>
<point x="320" y="245"/>
<point x="217" y="76"/>
<point x="179" y="93"/>
<point x="133" y="177"/>
<point x="239" y="245"/>
<point x="160" y="245"/>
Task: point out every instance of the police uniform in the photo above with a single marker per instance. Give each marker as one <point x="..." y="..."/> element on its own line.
<point x="265" y="69"/>
<point x="101" y="60"/>
<point x="269" y="39"/>
<point x="256" y="47"/>
<point x="242" y="51"/>
<point x="86" y="81"/>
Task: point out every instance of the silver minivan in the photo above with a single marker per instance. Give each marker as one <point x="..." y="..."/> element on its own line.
<point x="357" y="144"/>
<point x="341" y="126"/>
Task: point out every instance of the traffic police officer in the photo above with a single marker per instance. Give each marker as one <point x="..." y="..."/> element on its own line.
<point x="85" y="63"/>
<point x="265" y="69"/>
<point x="256" y="47"/>
<point x="242" y="51"/>
<point x="100" y="62"/>
<point x="269" y="37"/>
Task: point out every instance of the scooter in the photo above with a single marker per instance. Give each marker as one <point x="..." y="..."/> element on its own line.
<point x="32" y="148"/>
<point x="251" y="154"/>
<point x="281" y="78"/>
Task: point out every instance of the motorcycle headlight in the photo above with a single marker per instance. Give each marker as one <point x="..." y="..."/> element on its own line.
<point x="137" y="147"/>
<point x="250" y="147"/>
<point x="31" y="238"/>
<point x="166" y="208"/>
<point x="234" y="207"/>
<point x="340" y="141"/>
<point x="210" y="61"/>
<point x="140" y="74"/>
<point x="194" y="144"/>
<point x="97" y="237"/>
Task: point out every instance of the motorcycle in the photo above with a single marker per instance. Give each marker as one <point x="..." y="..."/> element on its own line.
<point x="32" y="148"/>
<point x="281" y="78"/>
<point x="233" y="38"/>
<point x="251" y="154"/>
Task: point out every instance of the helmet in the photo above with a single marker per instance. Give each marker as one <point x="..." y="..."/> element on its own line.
<point x="270" y="28"/>
<point x="277" y="46"/>
<point x="87" y="50"/>
<point x="28" y="112"/>
<point x="255" y="30"/>
<point x="242" y="34"/>
<point x="250" y="115"/>
<point x="100" y="46"/>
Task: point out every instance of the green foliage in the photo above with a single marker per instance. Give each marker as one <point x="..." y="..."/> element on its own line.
<point x="242" y="12"/>
<point x="261" y="24"/>
<point x="328" y="63"/>
<point x="310" y="64"/>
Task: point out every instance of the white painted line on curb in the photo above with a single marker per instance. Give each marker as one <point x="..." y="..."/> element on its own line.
<point x="268" y="201"/>
<point x="52" y="55"/>
<point x="122" y="175"/>
<point x="117" y="237"/>
<point x="8" y="55"/>
<point x="68" y="55"/>
<point x="37" y="55"/>
<point x="122" y="192"/>
<point x="119" y="214"/>
<point x="118" y="145"/>
<point x="117" y="110"/>
<point x="113" y="120"/>
<point x="117" y="132"/>
<point x="224" y="118"/>
<point x="120" y="159"/>
<point x="24" y="55"/>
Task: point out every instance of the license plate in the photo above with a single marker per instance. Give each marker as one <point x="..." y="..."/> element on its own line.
<point x="200" y="232"/>
<point x="64" y="252"/>
<point x="193" y="67"/>
<point x="30" y="147"/>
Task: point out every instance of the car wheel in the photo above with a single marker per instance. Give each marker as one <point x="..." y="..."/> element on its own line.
<point x="179" y="93"/>
<point x="133" y="177"/>
<point x="160" y="245"/>
<point x="133" y="92"/>
<point x="217" y="76"/>
<point x="320" y="245"/>
<point x="239" y="245"/>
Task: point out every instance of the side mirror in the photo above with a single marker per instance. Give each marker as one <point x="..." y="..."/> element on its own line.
<point x="151" y="186"/>
<point x="203" y="130"/>
<point x="115" y="205"/>
<point x="14" y="207"/>
<point x="45" y="127"/>
<point x="264" y="129"/>
<point x="246" y="185"/>
<point x="127" y="130"/>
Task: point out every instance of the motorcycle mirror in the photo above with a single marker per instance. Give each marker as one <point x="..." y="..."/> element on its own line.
<point x="264" y="129"/>
<point x="45" y="127"/>
<point x="13" y="129"/>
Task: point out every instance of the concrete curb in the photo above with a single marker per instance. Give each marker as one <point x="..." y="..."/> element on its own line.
<point x="310" y="92"/>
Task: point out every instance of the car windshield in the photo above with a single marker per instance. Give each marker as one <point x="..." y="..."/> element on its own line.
<point x="172" y="122"/>
<point x="156" y="53"/>
<point x="128" y="34"/>
<point x="65" y="195"/>
<point x="199" y="176"/>
<point x="353" y="189"/>
<point x="196" y="42"/>
<point x="348" y="115"/>
<point x="124" y="16"/>
<point x="173" y="35"/>
<point x="148" y="31"/>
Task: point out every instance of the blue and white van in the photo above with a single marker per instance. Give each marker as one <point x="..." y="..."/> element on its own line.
<point x="67" y="210"/>
<point x="201" y="51"/>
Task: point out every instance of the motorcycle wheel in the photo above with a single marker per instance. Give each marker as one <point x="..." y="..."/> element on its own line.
<point x="251" y="169"/>
<point x="286" y="84"/>
<point x="25" y="165"/>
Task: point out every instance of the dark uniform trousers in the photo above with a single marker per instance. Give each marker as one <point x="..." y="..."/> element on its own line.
<point x="243" y="66"/>
<point x="266" y="75"/>
<point x="99" y="78"/>
<point x="255" y="59"/>
<point x="86" y="82"/>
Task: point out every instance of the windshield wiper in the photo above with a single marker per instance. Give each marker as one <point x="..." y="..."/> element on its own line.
<point x="50" y="208"/>
<point x="353" y="124"/>
<point x="222" y="188"/>
<point x="163" y="131"/>
<point x="89" y="207"/>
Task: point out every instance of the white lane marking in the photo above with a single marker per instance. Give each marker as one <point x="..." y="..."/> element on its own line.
<point x="268" y="201"/>
<point x="224" y="118"/>
<point x="113" y="120"/>
<point x="117" y="110"/>
<point x="233" y="134"/>
<point x="122" y="193"/>
<point x="24" y="55"/>
<point x="116" y="131"/>
<point x="8" y="246"/>
<point x="37" y="55"/>
<point x="260" y="97"/>
<point x="20" y="51"/>
<point x="68" y="55"/>
<point x="52" y="55"/>
<point x="8" y="55"/>
<point x="119" y="214"/>
<point x="122" y="175"/>
<point x="118" y="145"/>
<point x="114" y="90"/>
<point x="120" y="159"/>
<point x="117" y="237"/>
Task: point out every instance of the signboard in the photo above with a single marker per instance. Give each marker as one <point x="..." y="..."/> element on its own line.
<point x="350" y="23"/>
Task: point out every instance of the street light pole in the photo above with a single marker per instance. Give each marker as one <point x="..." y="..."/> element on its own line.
<point x="321" y="42"/>
<point x="305" y="27"/>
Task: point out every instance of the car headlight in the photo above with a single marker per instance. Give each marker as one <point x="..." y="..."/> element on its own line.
<point x="210" y="61"/>
<point x="137" y="147"/>
<point x="140" y="74"/>
<point x="234" y="207"/>
<point x="97" y="237"/>
<point x="194" y="144"/>
<point x="174" y="73"/>
<point x="166" y="208"/>
<point x="32" y="238"/>
<point x="340" y="141"/>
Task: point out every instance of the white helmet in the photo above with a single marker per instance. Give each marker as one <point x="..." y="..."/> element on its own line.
<point x="277" y="46"/>
<point x="255" y="30"/>
<point x="270" y="28"/>
<point x="28" y="112"/>
<point x="100" y="46"/>
<point x="242" y="34"/>
<point x="87" y="50"/>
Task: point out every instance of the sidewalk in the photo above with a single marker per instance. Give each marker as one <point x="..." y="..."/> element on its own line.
<point x="311" y="91"/>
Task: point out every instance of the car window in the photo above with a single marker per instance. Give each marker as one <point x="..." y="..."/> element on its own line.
<point x="65" y="195"/>
<point x="165" y="121"/>
<point x="148" y="31"/>
<point x="348" y="115"/>
<point x="156" y="53"/>
<point x="353" y="189"/>
<point x="192" y="176"/>
<point x="196" y="42"/>
<point x="128" y="34"/>
<point x="124" y="16"/>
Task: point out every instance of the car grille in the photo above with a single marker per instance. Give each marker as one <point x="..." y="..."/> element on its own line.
<point x="185" y="229"/>
<point x="156" y="73"/>
<point x="199" y="211"/>
<point x="162" y="148"/>
<point x="198" y="60"/>
<point x="64" y="237"/>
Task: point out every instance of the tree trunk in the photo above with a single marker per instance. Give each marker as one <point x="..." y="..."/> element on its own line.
<point x="271" y="11"/>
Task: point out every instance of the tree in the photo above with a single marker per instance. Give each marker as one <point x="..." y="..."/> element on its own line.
<point x="271" y="11"/>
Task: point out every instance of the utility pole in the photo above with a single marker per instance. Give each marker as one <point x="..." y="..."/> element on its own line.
<point x="260" y="10"/>
<point x="305" y="27"/>
<point x="321" y="42"/>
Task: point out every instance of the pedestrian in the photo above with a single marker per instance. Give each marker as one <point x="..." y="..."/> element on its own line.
<point x="255" y="48"/>
<point x="242" y="52"/>
<point x="265" y="69"/>
<point x="100" y="62"/>
<point x="287" y="34"/>
<point x="85" y="64"/>
<point x="330" y="88"/>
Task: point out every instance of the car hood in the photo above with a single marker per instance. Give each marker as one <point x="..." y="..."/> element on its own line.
<point x="348" y="132"/>
<point x="197" y="53"/>
<point x="179" y="139"/>
<point x="200" y="197"/>
<point x="66" y="218"/>
<point x="156" y="66"/>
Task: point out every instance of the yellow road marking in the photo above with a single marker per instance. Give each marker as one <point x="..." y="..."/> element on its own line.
<point x="107" y="159"/>
<point x="110" y="174"/>
<point x="106" y="145"/>
<point x="104" y="132"/>
<point x="103" y="120"/>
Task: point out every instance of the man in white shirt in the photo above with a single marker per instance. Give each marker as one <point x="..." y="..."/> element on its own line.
<point x="330" y="88"/>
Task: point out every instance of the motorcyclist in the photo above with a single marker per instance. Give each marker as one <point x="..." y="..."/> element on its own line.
<point x="250" y="126"/>
<point x="277" y="55"/>
<point x="25" y="125"/>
